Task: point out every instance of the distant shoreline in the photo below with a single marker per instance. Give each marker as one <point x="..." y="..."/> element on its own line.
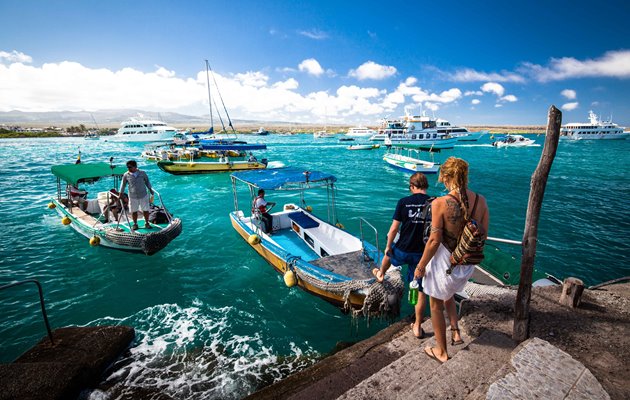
<point x="296" y="129"/>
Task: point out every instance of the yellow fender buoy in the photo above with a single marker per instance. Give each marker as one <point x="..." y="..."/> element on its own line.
<point x="340" y="225"/>
<point x="289" y="278"/>
<point x="253" y="239"/>
<point x="51" y="205"/>
<point x="66" y="221"/>
<point x="95" y="241"/>
<point x="309" y="208"/>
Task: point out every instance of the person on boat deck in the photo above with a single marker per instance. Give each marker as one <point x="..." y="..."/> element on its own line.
<point x="116" y="203"/>
<point x="408" y="249"/>
<point x="447" y="222"/>
<point x="138" y="182"/>
<point x="261" y="204"/>
<point x="252" y="158"/>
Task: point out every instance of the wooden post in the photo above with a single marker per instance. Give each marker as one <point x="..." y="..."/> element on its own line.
<point x="520" y="330"/>
<point x="572" y="290"/>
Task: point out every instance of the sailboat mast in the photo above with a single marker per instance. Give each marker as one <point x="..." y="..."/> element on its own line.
<point x="209" y="97"/>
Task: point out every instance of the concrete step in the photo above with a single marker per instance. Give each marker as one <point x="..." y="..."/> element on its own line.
<point x="334" y="375"/>
<point x="468" y="368"/>
<point x="401" y="375"/>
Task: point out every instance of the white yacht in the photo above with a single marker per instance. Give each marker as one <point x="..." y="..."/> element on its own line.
<point x="421" y="132"/>
<point x="462" y="134"/>
<point x="389" y="128"/>
<point x="143" y="130"/>
<point x="323" y="135"/>
<point x="595" y="129"/>
<point x="513" y="140"/>
<point x="360" y="131"/>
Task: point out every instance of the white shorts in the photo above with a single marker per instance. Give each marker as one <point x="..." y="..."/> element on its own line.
<point x="139" y="204"/>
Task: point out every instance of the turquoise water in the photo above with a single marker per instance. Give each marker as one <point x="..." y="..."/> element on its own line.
<point x="212" y="319"/>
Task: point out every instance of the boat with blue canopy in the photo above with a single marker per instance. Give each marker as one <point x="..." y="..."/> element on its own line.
<point x="104" y="219"/>
<point x="317" y="254"/>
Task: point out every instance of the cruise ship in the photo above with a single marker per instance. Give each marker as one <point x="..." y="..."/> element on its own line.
<point x="421" y="133"/>
<point x="389" y="128"/>
<point x="595" y="129"/>
<point x="143" y="130"/>
<point x="462" y="134"/>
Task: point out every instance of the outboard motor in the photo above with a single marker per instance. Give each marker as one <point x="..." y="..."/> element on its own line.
<point x="264" y="161"/>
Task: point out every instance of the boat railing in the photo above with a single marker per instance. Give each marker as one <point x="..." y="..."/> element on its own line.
<point x="366" y="256"/>
<point x="41" y="302"/>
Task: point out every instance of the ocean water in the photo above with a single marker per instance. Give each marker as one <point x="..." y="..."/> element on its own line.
<point x="212" y="319"/>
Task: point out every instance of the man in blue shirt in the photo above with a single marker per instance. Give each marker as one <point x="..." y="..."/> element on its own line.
<point x="410" y="244"/>
<point x="139" y="199"/>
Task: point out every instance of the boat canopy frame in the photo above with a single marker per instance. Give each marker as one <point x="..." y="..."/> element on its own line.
<point x="287" y="179"/>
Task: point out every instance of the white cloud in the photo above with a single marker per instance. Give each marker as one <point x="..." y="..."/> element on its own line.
<point x="569" y="94"/>
<point x="314" y="34"/>
<point x="498" y="105"/>
<point x="493" y="87"/>
<point x="470" y="75"/>
<point x="15" y="56"/>
<point x="570" y="106"/>
<point x="475" y="101"/>
<point x="255" y="79"/>
<point x="289" y="84"/>
<point x="613" y="64"/>
<point x="372" y="70"/>
<point x="473" y="93"/>
<point x="311" y="66"/>
<point x="509" y="98"/>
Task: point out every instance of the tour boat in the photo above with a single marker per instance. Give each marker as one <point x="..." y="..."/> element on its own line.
<point x="360" y="131"/>
<point x="143" y="130"/>
<point x="323" y="135"/>
<point x="596" y="129"/>
<point x="421" y="132"/>
<point x="230" y="158"/>
<point x="91" y="218"/>
<point x="462" y="134"/>
<point x="513" y="140"/>
<point x="317" y="255"/>
<point x="389" y="128"/>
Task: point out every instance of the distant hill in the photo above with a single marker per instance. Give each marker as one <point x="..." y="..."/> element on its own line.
<point x="111" y="118"/>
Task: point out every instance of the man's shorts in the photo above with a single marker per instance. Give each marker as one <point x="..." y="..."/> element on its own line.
<point x="139" y="204"/>
<point x="400" y="258"/>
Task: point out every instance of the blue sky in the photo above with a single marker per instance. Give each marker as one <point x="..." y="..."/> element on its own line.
<point x="354" y="62"/>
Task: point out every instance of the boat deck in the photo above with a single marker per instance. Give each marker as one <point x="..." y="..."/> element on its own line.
<point x="484" y="278"/>
<point x="347" y="264"/>
<point x="287" y="239"/>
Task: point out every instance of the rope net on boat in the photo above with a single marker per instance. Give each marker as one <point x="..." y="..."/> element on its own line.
<point x="382" y="299"/>
<point x="150" y="243"/>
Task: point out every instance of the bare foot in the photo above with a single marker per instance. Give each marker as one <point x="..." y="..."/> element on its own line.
<point x="434" y="353"/>
<point x="415" y="329"/>
<point x="378" y="275"/>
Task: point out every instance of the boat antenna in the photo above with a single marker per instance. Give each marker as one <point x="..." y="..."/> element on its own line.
<point x="221" y="97"/>
<point x="211" y="131"/>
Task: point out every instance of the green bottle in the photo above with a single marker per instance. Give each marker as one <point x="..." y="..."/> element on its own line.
<point x="413" y="292"/>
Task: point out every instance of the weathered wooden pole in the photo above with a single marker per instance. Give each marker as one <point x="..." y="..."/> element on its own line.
<point x="530" y="236"/>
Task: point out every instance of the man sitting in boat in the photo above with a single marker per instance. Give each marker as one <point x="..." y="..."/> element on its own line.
<point x="252" y="158"/>
<point x="260" y="208"/>
<point x="116" y="203"/>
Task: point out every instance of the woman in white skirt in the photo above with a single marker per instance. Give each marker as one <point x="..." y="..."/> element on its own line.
<point x="448" y="214"/>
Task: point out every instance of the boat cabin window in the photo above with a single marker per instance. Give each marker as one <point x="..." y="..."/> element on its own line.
<point x="309" y="240"/>
<point x="413" y="137"/>
<point x="323" y="253"/>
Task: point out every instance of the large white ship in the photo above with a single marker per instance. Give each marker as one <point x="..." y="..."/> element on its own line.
<point x="595" y="129"/>
<point x="143" y="130"/>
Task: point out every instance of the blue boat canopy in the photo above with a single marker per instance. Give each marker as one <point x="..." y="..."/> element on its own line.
<point x="289" y="178"/>
<point x="86" y="172"/>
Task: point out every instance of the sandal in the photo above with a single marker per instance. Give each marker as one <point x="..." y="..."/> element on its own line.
<point x="432" y="355"/>
<point x="453" y="341"/>
<point x="414" y="333"/>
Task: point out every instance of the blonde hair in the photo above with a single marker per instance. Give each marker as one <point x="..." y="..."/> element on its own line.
<point x="455" y="171"/>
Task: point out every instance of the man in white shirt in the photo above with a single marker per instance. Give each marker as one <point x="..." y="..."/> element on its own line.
<point x="261" y="204"/>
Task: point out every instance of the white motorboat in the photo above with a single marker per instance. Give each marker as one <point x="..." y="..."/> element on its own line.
<point x="361" y="131"/>
<point x="513" y="140"/>
<point x="323" y="135"/>
<point x="363" y="146"/>
<point x="143" y="130"/>
<point x="595" y="129"/>
<point x="406" y="160"/>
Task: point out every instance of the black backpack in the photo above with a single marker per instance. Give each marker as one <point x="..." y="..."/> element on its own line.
<point x="425" y="217"/>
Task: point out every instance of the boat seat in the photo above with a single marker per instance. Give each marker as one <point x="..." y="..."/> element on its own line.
<point x="303" y="220"/>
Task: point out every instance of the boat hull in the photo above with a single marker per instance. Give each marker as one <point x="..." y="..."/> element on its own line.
<point x="447" y="143"/>
<point x="411" y="164"/>
<point x="207" y="167"/>
<point x="120" y="236"/>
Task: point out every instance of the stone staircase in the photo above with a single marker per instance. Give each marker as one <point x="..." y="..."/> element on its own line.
<point x="392" y="365"/>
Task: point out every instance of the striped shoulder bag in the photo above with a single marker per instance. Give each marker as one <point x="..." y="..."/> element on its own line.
<point x="469" y="249"/>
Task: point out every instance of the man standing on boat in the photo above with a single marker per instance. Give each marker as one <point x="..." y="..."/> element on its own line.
<point x="138" y="197"/>
<point x="260" y="205"/>
<point x="410" y="244"/>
